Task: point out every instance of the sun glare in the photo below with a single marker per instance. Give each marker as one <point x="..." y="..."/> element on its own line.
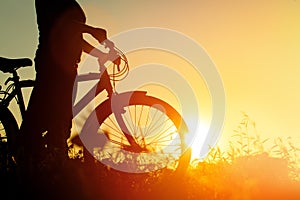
<point x="196" y="140"/>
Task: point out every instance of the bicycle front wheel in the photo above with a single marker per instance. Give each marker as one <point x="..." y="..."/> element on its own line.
<point x="157" y="129"/>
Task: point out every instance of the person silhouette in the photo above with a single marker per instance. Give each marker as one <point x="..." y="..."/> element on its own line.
<point x="61" y="25"/>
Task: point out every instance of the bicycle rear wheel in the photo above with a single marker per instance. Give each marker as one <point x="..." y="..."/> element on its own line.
<point x="8" y="138"/>
<point x="156" y="127"/>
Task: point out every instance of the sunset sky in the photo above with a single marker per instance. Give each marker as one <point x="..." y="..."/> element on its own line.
<point x="255" y="46"/>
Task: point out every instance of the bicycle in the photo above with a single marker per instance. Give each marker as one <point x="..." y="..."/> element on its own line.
<point x="123" y="130"/>
<point x="8" y="124"/>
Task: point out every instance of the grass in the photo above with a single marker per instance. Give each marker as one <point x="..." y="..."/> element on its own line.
<point x="251" y="168"/>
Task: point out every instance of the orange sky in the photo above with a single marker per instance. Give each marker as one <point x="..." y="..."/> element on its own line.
<point x="254" y="45"/>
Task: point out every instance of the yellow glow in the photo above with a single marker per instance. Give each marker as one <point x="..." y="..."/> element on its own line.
<point x="255" y="45"/>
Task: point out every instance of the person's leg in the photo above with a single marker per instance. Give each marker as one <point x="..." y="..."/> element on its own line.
<point x="61" y="121"/>
<point x="58" y="131"/>
<point x="31" y="143"/>
<point x="57" y="136"/>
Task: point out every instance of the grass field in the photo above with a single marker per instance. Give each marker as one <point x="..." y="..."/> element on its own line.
<point x="251" y="168"/>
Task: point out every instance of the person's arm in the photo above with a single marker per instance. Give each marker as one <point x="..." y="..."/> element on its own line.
<point x="98" y="33"/>
<point x="93" y="51"/>
<point x="90" y="49"/>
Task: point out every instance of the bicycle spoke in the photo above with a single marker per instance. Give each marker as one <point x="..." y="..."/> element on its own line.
<point x="135" y="118"/>
<point x="148" y="114"/>
<point x="160" y="125"/>
<point x="114" y="132"/>
<point x="163" y="141"/>
<point x="116" y="142"/>
<point x="147" y="129"/>
<point x="157" y="136"/>
<point x="112" y="128"/>
<point x="130" y="125"/>
<point x="139" y="123"/>
<point x="130" y="117"/>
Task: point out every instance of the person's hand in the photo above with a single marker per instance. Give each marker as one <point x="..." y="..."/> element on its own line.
<point x="109" y="44"/>
<point x="100" y="34"/>
<point x="114" y="54"/>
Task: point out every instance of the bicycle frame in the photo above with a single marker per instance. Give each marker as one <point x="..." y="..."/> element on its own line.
<point x="16" y="92"/>
<point x="90" y="95"/>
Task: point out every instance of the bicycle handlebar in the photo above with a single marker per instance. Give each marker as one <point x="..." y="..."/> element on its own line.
<point x="120" y="63"/>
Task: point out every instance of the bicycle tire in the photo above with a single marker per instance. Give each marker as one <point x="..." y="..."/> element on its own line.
<point x="8" y="130"/>
<point x="104" y="112"/>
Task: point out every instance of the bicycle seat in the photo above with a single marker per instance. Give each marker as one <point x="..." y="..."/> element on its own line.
<point x="12" y="64"/>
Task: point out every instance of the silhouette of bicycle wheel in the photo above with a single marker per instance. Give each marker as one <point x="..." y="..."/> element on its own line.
<point x="156" y="127"/>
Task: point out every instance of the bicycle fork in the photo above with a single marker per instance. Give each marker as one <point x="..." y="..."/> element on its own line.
<point x="118" y="109"/>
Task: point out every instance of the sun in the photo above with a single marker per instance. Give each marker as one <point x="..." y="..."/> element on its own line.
<point x="196" y="140"/>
